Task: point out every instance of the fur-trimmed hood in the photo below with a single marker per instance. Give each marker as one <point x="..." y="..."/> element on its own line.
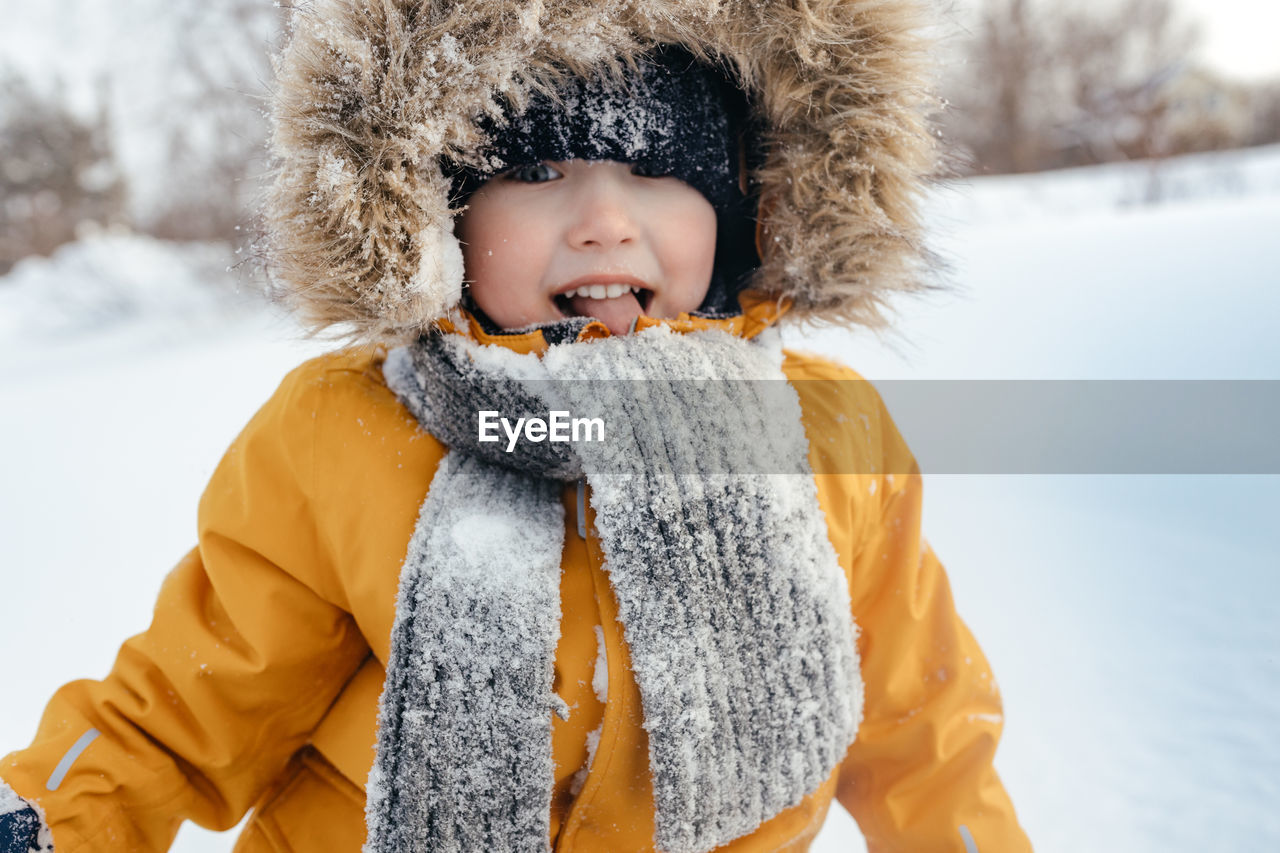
<point x="372" y="96"/>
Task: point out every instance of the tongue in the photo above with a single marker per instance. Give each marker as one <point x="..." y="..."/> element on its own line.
<point x="617" y="313"/>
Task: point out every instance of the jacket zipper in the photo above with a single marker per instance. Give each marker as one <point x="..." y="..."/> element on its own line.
<point x="572" y="825"/>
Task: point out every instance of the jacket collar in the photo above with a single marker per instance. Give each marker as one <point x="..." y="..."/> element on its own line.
<point x="759" y="312"/>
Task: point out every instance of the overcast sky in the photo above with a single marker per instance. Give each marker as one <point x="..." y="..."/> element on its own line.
<point x="1241" y="37"/>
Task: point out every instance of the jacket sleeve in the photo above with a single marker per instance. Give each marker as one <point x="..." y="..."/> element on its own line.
<point x="919" y="778"/>
<point x="248" y="646"/>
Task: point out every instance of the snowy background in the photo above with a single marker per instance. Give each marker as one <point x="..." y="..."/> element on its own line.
<point x="1132" y="621"/>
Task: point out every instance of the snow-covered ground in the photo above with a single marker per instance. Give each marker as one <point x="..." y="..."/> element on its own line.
<point x="1132" y="621"/>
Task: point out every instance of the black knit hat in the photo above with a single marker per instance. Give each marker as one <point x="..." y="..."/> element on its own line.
<point x="673" y="115"/>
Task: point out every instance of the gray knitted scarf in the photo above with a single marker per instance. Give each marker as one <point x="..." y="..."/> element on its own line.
<point x="733" y="606"/>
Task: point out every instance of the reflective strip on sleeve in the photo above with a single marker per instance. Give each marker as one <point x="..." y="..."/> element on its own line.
<point x="60" y="772"/>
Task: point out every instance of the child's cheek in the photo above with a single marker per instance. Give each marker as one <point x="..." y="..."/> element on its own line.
<point x="691" y="239"/>
<point x="519" y="257"/>
<point x="493" y="242"/>
<point x="506" y="260"/>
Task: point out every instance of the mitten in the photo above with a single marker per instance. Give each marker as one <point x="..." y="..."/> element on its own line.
<point x="21" y="828"/>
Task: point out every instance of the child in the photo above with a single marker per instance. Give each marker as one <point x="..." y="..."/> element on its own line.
<point x="595" y="645"/>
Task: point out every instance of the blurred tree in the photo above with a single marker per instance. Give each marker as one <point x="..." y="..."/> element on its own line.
<point x="1206" y="113"/>
<point x="58" y="175"/>
<point x="1265" y="111"/>
<point x="1044" y="85"/>
<point x="214" y="123"/>
<point x="1118" y="80"/>
<point x="1003" y="55"/>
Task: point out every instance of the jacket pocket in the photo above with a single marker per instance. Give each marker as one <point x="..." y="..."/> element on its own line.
<point x="311" y="809"/>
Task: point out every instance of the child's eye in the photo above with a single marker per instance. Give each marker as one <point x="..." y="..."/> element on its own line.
<point x="648" y="170"/>
<point x="536" y="173"/>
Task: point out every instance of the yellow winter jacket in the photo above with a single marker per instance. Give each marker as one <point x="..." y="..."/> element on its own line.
<point x="257" y="684"/>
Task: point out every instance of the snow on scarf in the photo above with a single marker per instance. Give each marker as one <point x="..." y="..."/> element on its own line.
<point x="733" y="606"/>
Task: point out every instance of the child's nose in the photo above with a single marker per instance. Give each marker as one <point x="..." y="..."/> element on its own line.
<point x="605" y="216"/>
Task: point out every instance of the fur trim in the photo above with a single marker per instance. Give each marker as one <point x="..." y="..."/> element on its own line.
<point x="373" y="93"/>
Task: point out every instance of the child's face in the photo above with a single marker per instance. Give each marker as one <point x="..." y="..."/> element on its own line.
<point x="586" y="238"/>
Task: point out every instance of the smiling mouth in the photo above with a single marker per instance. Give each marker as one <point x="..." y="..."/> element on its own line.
<point x="590" y="299"/>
